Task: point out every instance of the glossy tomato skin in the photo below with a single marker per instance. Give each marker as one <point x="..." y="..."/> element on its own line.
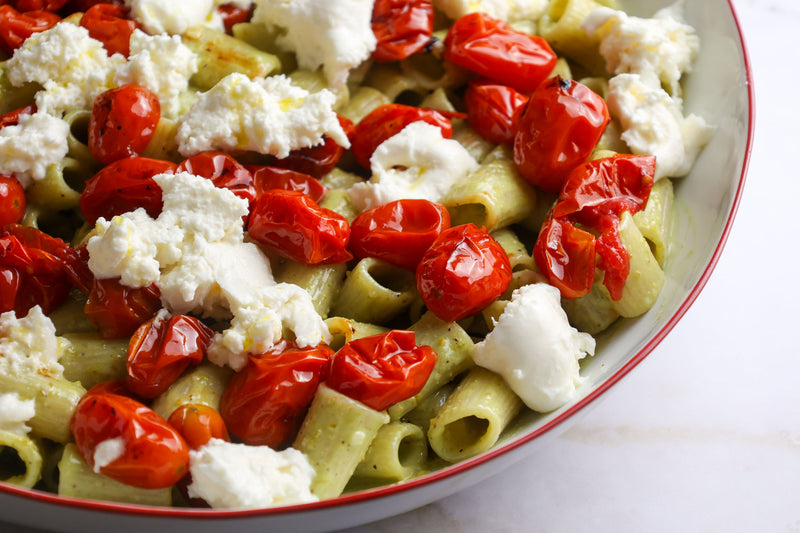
<point x="293" y="226"/>
<point x="557" y="131"/>
<point x="123" y="186"/>
<point x="161" y="349"/>
<point x="116" y="310"/>
<point x="111" y="25"/>
<point x="223" y="171"/>
<point x="493" y="110"/>
<point x="565" y="255"/>
<point x="265" y="402"/>
<point x="17" y="26"/>
<point x="155" y="455"/>
<point x="382" y="369"/>
<point x="398" y="232"/>
<point x="36" y="5"/>
<point x="267" y="178"/>
<point x="462" y="272"/>
<point x="317" y="160"/>
<point x="12" y="200"/>
<point x="386" y="121"/>
<point x="12" y="117"/>
<point x="122" y="122"/>
<point x="402" y="28"/>
<point x="493" y="49"/>
<point x="198" y="424"/>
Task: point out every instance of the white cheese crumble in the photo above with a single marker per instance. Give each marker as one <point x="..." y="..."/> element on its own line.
<point x="72" y="67"/>
<point x="663" y="46"/>
<point x="30" y="344"/>
<point x="14" y="412"/>
<point x="268" y="115"/>
<point x="28" y="148"/>
<point x="417" y="162"/>
<point x="161" y="63"/>
<point x="653" y="123"/>
<point x="173" y="16"/>
<point x="535" y="349"/>
<point x="106" y="452"/>
<point x="335" y="34"/>
<point x="506" y="10"/>
<point x="237" y="476"/>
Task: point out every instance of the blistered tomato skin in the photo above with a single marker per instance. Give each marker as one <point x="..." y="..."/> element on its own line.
<point x="381" y="370"/>
<point x="493" y="110"/>
<point x="154" y="455"/>
<point x="198" y="424"/>
<point x="316" y="161"/>
<point x="557" y="131"/>
<point x="111" y="25"/>
<point x="399" y="232"/>
<point x="122" y="122"/>
<point x="565" y="255"/>
<point x="116" y="310"/>
<point x="267" y="178"/>
<point x="161" y="349"/>
<point x="16" y="26"/>
<point x="12" y="200"/>
<point x="292" y="225"/>
<point x="12" y="117"/>
<point x="402" y="28"/>
<point x="462" y="272"/>
<point x="223" y="171"/>
<point x="493" y="49"/>
<point x="46" y="5"/>
<point x="265" y="402"/>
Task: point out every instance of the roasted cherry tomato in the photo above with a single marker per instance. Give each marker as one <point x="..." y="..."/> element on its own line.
<point x="16" y="26"/>
<point x="265" y="402"/>
<point x="399" y="232"/>
<point x="198" y="424"/>
<point x="402" y="28"/>
<point x="595" y="195"/>
<point x="82" y="6"/>
<point x="223" y="171"/>
<point x="149" y="454"/>
<point x="12" y="117"/>
<point x="387" y="120"/>
<point x="495" y="50"/>
<point x="123" y="186"/>
<point x="267" y="178"/>
<point x="232" y="14"/>
<point x="12" y="200"/>
<point x="557" y="131"/>
<point x="122" y="122"/>
<point x="111" y="25"/>
<point x="37" y="5"/>
<point x="117" y="310"/>
<point x="493" y="110"/>
<point x="161" y="349"/>
<point x="35" y="269"/>
<point x="381" y="370"/>
<point x="317" y="160"/>
<point x="462" y="272"/>
<point x="292" y="225"/>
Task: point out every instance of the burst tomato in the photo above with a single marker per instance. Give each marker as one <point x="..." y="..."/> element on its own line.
<point x="12" y="117"/>
<point x="317" y="160"/>
<point x="399" y="232"/>
<point x="36" y="5"/>
<point x="566" y="256"/>
<point x="265" y="402"/>
<point x="117" y="310"/>
<point x="232" y="14"/>
<point x="12" y="200"/>
<point x="402" y="28"/>
<point x="151" y="453"/>
<point x="462" y="272"/>
<point x="223" y="171"/>
<point x="493" y="110"/>
<point x="198" y="424"/>
<point x="111" y="25"/>
<point x="382" y="369"/>
<point x="267" y="178"/>
<point x="16" y="26"/>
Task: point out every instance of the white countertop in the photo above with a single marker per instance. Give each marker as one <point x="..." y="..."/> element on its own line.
<point x="704" y="435"/>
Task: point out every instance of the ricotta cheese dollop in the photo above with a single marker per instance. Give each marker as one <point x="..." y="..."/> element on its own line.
<point x="533" y="347"/>
<point x="30" y="345"/>
<point x="15" y="412"/>
<point x="173" y="17"/>
<point x="29" y="147"/>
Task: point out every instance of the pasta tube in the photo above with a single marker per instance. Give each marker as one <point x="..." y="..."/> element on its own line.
<point x="398" y="452"/>
<point x="654" y="221"/>
<point x="203" y="384"/>
<point x="20" y="459"/>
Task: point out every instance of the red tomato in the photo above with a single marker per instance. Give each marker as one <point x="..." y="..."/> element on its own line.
<point x="123" y="186"/>
<point x="198" y="424"/>
<point x="16" y="26"/>
<point x="223" y="171"/>
<point x="111" y="25"/>
<point x="161" y="349"/>
<point x="35" y="269"/>
<point x="462" y="272"/>
<point x="317" y="160"/>
<point x="399" y="232"/>
<point x="292" y="225"/>
<point x="566" y="257"/>
<point x="36" y="5"/>
<point x="265" y="402"/>
<point x="493" y="49"/>
<point x="387" y="120"/>
<point x="12" y="200"/>
<point x="12" y="117"/>
<point x="493" y="110"/>
<point x="122" y="122"/>
<point x="381" y="370"/>
<point x="557" y="131"/>
<point x="402" y="28"/>
<point x="266" y="178"/>
<point x="82" y="6"/>
<point x="154" y="454"/>
<point x="232" y="14"/>
<point x="116" y="310"/>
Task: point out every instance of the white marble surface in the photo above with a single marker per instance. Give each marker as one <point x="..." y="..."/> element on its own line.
<point x="705" y="434"/>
